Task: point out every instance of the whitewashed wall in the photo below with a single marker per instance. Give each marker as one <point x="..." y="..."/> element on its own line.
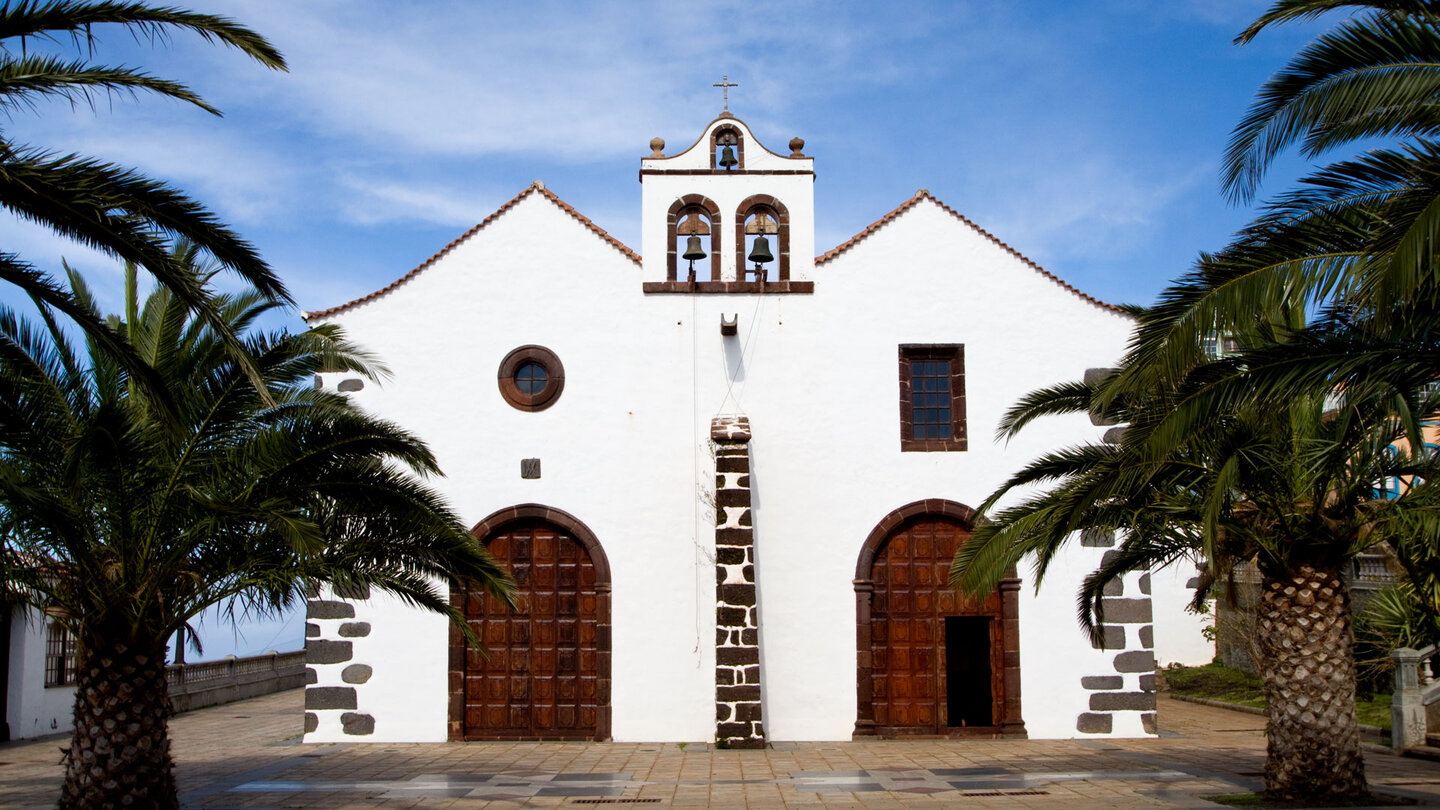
<point x="34" y="710"/>
<point x="625" y="448"/>
<point x="828" y="461"/>
<point x="1180" y="635"/>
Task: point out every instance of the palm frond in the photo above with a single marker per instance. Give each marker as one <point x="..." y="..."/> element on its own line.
<point x="1362" y="79"/>
<point x="23" y="79"/>
<point x="77" y="19"/>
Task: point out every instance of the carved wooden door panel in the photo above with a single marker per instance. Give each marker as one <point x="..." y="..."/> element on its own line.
<point x="541" y="678"/>
<point x="909" y="632"/>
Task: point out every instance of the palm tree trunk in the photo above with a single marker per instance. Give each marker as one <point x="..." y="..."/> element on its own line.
<point x="1308" y="664"/>
<point x="119" y="754"/>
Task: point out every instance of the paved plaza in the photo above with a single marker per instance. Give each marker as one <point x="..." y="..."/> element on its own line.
<point x="249" y="755"/>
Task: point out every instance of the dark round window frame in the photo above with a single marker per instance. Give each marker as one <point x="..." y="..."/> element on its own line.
<point x="545" y="397"/>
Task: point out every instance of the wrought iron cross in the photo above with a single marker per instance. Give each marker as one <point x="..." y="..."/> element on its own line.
<point x="725" y="84"/>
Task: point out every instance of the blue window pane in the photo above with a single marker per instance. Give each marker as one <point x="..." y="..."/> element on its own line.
<point x="930" y="399"/>
<point x="531" y="378"/>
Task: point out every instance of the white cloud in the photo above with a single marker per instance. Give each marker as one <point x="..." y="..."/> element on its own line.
<point x="570" y="81"/>
<point x="1086" y="208"/>
<point x="373" y="200"/>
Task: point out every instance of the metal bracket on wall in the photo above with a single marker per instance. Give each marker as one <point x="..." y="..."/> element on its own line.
<point x="730" y="327"/>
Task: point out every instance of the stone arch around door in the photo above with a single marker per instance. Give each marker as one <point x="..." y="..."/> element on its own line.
<point x="938" y="527"/>
<point x="548" y="674"/>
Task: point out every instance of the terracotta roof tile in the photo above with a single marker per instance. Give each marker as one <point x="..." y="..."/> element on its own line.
<point x="922" y="194"/>
<point x="536" y="187"/>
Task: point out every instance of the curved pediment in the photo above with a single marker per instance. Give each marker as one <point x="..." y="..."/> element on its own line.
<point x="705" y="154"/>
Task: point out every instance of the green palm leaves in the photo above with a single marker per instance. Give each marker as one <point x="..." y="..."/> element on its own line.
<point x="1285" y="486"/>
<point x="1308" y="445"/>
<point x="113" y="513"/>
<point x="111" y="209"/>
<point x="124" y="515"/>
<point x="1357" y="237"/>
<point x="1376" y="75"/>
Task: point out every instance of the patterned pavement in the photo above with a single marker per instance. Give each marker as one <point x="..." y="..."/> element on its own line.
<point x="248" y="755"/>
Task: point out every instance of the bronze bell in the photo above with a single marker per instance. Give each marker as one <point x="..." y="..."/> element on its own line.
<point x="693" y="250"/>
<point x="727" y="158"/>
<point x="760" y="253"/>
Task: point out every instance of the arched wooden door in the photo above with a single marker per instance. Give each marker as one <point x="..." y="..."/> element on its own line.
<point x="932" y="661"/>
<point x="547" y="676"/>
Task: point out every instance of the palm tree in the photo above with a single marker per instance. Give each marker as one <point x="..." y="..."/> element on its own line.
<point x="1272" y="456"/>
<point x="122" y="524"/>
<point x="106" y="207"/>
<point x="1291" y="489"/>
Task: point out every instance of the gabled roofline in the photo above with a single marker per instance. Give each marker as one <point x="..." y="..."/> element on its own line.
<point x="535" y="187"/>
<point x="924" y="194"/>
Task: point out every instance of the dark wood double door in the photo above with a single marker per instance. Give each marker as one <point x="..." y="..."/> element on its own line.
<point x="937" y="658"/>
<point x="542" y="678"/>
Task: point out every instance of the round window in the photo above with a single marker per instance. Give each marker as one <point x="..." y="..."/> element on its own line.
<point x="531" y="378"/>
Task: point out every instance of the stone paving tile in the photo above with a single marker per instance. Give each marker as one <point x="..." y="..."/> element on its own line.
<point x="248" y="756"/>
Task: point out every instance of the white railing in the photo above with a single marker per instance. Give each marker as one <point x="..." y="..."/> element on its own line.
<point x="1374" y="568"/>
<point x="194" y="686"/>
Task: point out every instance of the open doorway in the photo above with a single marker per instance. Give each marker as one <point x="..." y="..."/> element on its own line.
<point x="968" y="675"/>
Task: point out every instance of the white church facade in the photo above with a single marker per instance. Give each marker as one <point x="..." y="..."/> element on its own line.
<point x="730" y="491"/>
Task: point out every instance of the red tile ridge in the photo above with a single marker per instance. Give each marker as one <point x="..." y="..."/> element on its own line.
<point x="536" y="186"/>
<point x="923" y="194"/>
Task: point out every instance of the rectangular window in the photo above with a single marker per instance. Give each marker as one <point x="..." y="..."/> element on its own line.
<point x="59" y="656"/>
<point x="932" y="398"/>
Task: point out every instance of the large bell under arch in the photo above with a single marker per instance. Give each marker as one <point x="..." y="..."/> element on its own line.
<point x="757" y="247"/>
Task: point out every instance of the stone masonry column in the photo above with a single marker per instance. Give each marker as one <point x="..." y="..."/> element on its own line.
<point x="737" y="627"/>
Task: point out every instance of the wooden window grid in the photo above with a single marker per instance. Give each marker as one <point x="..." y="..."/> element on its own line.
<point x="59" y="656"/>
<point x="932" y="398"/>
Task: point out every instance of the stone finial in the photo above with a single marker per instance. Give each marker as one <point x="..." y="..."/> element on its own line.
<point x="657" y="147"/>
<point x="924" y="192"/>
<point x="796" y="145"/>
<point x="538" y="185"/>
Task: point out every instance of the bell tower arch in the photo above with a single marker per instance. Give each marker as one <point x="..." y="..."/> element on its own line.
<point x="720" y="204"/>
<point x="727" y="148"/>
<point x="759" y="219"/>
<point x="692" y="228"/>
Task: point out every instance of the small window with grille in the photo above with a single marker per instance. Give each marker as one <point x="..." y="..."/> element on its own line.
<point x="932" y="398"/>
<point x="59" y="656"/>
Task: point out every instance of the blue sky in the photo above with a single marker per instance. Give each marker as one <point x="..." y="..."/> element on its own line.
<point x="1085" y="134"/>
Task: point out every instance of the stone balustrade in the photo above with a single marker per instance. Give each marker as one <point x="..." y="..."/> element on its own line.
<point x="1415" y="686"/>
<point x="209" y="683"/>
